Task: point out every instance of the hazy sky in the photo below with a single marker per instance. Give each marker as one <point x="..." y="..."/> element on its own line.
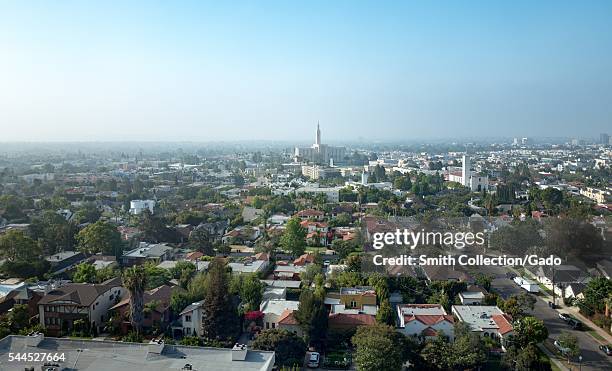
<point x="178" y="70"/>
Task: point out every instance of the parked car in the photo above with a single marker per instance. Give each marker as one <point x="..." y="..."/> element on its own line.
<point x="313" y="360"/>
<point x="564" y="316"/>
<point x="510" y="275"/>
<point x="575" y="324"/>
<point x="560" y="348"/>
<point x="606" y="349"/>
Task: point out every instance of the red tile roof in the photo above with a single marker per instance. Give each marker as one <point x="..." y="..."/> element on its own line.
<point x="194" y="255"/>
<point x="429" y="319"/>
<point x="287" y="318"/>
<point x="310" y="212"/>
<point x="262" y="256"/>
<point x="304" y="259"/>
<point x="503" y="322"/>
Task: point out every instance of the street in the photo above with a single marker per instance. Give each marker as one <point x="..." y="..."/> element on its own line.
<point x="592" y="357"/>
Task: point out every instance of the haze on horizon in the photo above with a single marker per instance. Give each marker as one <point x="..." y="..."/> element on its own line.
<point x="207" y="71"/>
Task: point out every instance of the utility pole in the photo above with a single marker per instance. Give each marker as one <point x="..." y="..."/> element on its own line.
<point x="553" y="285"/>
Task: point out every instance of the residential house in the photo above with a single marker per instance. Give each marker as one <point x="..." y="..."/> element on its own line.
<point x="145" y="252"/>
<point x="278" y="219"/>
<point x="287" y="321"/>
<point x="215" y="230"/>
<point x="66" y="260"/>
<point x="487" y="320"/>
<point x="474" y="295"/>
<point x="343" y="208"/>
<point x="62" y="306"/>
<point x="304" y="259"/>
<point x="288" y="272"/>
<point x="249" y="214"/>
<point x="103" y="261"/>
<point x="273" y="310"/>
<point x="249" y="266"/>
<point x="562" y="275"/>
<point x="157" y="309"/>
<point x="318" y="232"/>
<point x="310" y="214"/>
<point x="241" y="235"/>
<point x="191" y="319"/>
<point x="14" y="291"/>
<point x="349" y="321"/>
<point x="274" y="293"/>
<point x="194" y="256"/>
<point x="442" y="273"/>
<point x="361" y="299"/>
<point x="424" y="321"/>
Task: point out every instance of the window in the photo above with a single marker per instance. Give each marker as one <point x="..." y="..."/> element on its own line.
<point x="353" y="304"/>
<point x="187" y="331"/>
<point x="187" y="318"/>
<point x="267" y="325"/>
<point x="273" y="325"/>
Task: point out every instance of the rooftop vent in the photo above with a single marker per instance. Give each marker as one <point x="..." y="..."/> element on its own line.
<point x="156" y="346"/>
<point x="35" y="338"/>
<point x="239" y="352"/>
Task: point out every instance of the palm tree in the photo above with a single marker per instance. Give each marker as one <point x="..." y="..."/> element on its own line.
<point x="608" y="302"/>
<point x="135" y="280"/>
<point x="490" y="203"/>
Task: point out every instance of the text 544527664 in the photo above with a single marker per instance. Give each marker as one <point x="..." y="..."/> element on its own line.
<point x="36" y="357"/>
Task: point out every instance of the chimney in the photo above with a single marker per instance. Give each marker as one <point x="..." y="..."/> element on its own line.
<point x="35" y="338"/>
<point x="239" y="352"/>
<point x="156" y="346"/>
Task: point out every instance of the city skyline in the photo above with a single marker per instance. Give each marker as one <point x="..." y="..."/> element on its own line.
<point x="268" y="71"/>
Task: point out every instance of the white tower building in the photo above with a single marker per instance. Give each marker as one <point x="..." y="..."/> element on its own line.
<point x="465" y="171"/>
<point x="318" y="137"/>
<point x="364" y="178"/>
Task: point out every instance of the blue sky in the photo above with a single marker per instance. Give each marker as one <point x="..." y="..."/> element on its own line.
<point x="269" y="70"/>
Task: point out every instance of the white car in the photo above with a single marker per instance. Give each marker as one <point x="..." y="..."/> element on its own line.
<point x="560" y="348"/>
<point x="313" y="360"/>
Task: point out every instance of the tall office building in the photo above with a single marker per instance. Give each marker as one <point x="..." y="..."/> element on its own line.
<point x="604" y="138"/>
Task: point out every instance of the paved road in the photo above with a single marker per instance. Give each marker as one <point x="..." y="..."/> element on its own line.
<point x="592" y="357"/>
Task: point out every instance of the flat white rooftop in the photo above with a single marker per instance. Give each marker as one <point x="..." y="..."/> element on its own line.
<point x="91" y="355"/>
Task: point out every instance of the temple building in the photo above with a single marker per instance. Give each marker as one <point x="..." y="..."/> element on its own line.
<point x="318" y="153"/>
